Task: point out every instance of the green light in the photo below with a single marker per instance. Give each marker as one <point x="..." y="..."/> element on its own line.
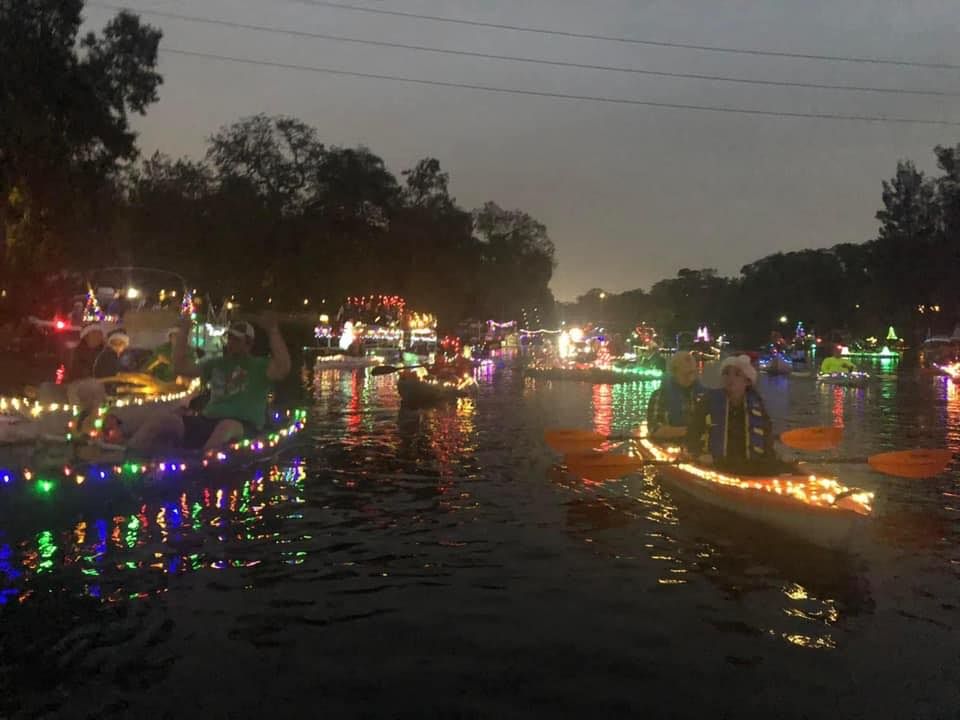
<point x="45" y="486"/>
<point x="46" y="550"/>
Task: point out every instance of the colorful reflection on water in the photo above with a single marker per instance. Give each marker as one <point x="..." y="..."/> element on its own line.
<point x="129" y="555"/>
<point x="378" y="500"/>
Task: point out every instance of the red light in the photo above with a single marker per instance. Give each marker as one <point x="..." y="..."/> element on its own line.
<point x="59" y="324"/>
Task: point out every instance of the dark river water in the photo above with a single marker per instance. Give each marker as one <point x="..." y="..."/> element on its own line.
<point x="437" y="563"/>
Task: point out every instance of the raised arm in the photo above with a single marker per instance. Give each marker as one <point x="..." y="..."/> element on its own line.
<point x="279" y="365"/>
<point x="183" y="364"/>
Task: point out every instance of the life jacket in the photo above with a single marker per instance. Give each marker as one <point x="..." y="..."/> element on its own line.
<point x="715" y="437"/>
<point x="672" y="396"/>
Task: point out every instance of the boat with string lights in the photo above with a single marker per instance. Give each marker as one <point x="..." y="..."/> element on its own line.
<point x="95" y="463"/>
<point x="854" y="378"/>
<point x="776" y="364"/>
<point x="134" y="397"/>
<point x="422" y="387"/>
<point x="367" y="331"/>
<point x="816" y="509"/>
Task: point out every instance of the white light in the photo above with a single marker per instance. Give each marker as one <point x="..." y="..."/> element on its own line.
<point x="576" y="334"/>
<point x="346" y="336"/>
<point x="133" y="293"/>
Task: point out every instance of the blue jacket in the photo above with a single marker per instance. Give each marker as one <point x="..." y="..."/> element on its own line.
<point x="709" y="432"/>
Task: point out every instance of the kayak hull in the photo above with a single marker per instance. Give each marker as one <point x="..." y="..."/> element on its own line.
<point x="854" y="379"/>
<point x="768" y="501"/>
<point x="416" y="391"/>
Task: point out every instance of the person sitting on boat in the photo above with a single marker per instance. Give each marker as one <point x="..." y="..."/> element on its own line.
<point x="670" y="406"/>
<point x="836" y="363"/>
<point x="730" y="428"/>
<point x="239" y="383"/>
<point x="160" y="364"/>
<point x="85" y="354"/>
<point x="116" y="357"/>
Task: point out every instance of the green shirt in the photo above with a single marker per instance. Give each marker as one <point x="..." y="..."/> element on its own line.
<point x="837" y="365"/>
<point x="163" y="371"/>
<point x="238" y="388"/>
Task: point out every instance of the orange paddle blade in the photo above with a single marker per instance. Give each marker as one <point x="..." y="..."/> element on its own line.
<point x="917" y="463"/>
<point x="812" y="438"/>
<point x="603" y="465"/>
<point x="563" y="440"/>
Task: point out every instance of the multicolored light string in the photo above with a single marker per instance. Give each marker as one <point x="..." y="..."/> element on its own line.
<point x="45" y="482"/>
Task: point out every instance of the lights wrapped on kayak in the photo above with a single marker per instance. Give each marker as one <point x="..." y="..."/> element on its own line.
<point x="854" y="376"/>
<point x="813" y="490"/>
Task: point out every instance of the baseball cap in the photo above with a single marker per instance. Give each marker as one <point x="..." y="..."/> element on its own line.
<point x="242" y="329"/>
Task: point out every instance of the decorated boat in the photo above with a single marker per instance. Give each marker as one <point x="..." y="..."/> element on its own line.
<point x="134" y="397"/>
<point x="854" y="378"/>
<point x="417" y="387"/>
<point x="776" y="364"/>
<point x="95" y="463"/>
<point x="816" y="509"/>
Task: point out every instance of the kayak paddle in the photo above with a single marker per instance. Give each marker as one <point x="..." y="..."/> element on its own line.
<point x="812" y="438"/>
<point x="915" y="464"/>
<point x="807" y="438"/>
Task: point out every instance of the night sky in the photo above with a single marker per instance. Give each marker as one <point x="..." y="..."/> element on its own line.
<point x="629" y="194"/>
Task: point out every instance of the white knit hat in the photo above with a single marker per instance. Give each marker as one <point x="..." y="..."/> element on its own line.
<point x="743" y="364"/>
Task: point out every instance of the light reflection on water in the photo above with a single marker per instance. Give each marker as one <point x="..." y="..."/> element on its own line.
<point x="382" y="498"/>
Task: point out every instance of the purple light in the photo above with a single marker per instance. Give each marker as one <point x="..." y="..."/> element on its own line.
<point x="6" y="478"/>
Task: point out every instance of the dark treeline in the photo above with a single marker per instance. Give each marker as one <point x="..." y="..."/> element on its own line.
<point x="907" y="276"/>
<point x="271" y="212"/>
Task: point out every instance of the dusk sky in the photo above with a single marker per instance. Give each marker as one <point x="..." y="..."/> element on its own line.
<point x="629" y="194"/>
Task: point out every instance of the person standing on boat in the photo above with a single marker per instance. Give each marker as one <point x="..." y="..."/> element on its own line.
<point x="671" y="405"/>
<point x="239" y="384"/>
<point x="836" y="363"/>
<point x="730" y="428"/>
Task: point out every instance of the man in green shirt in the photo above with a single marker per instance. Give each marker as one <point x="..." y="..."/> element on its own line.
<point x="239" y="384"/>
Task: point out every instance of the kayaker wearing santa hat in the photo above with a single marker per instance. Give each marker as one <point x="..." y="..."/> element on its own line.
<point x="730" y="428"/>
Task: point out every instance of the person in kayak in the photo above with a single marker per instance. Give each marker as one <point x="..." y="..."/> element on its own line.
<point x="239" y="383"/>
<point x="836" y="363"/>
<point x="670" y="406"/>
<point x="730" y="428"/>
